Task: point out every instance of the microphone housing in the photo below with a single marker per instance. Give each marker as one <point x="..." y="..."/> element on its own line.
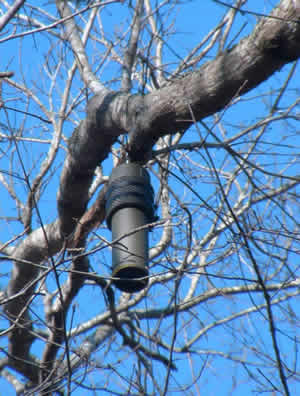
<point x="129" y="208"/>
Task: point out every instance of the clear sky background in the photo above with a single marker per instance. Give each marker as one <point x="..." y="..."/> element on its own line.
<point x="192" y="21"/>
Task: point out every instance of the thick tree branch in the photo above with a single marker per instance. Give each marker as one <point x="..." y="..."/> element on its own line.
<point x="273" y="44"/>
<point x="39" y="245"/>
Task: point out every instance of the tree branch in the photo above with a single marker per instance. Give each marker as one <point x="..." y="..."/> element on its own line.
<point x="273" y="44"/>
<point x="10" y="13"/>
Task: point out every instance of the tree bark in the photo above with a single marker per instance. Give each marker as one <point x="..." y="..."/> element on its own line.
<point x="172" y="108"/>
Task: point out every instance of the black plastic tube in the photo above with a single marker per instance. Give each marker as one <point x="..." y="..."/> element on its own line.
<point x="129" y="208"/>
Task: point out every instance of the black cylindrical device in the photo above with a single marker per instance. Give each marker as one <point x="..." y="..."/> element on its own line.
<point x="129" y="208"/>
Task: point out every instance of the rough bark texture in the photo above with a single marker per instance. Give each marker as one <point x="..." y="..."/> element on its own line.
<point x="274" y="43"/>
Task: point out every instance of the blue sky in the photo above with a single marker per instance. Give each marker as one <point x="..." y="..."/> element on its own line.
<point x="193" y="19"/>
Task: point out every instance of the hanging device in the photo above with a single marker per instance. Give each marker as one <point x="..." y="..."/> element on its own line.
<point x="129" y="208"/>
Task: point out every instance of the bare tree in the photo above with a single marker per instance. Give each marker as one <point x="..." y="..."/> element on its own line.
<point x="106" y="84"/>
